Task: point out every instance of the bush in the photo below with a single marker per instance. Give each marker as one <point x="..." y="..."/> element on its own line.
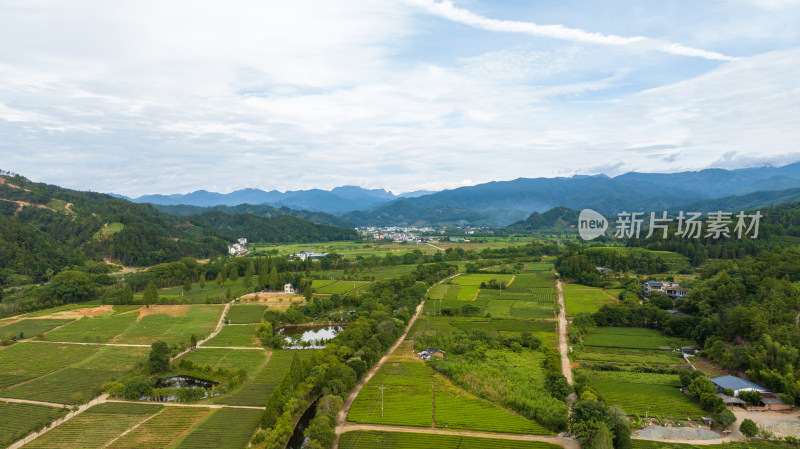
<point x="748" y="428"/>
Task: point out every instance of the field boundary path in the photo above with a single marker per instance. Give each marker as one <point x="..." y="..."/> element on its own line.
<point x="341" y="417"/>
<point x="180" y="404"/>
<point x="124" y="345"/>
<point x="431" y="244"/>
<point x="217" y="330"/>
<point x="567" y="443"/>
<point x="566" y="364"/>
<point x="58" y="422"/>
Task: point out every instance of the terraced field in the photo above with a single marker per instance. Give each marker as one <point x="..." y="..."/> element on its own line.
<point x="18" y="420"/>
<point x="402" y="440"/>
<point x="95" y="427"/>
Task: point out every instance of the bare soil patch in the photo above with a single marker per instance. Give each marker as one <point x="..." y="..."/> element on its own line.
<point x="77" y="313"/>
<point x="171" y="310"/>
<point x="276" y="301"/>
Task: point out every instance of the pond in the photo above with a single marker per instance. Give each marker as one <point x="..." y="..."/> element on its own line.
<point x="182" y="388"/>
<point x="309" y="337"/>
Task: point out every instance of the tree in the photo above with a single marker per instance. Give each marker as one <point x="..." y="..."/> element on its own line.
<point x="234" y="276"/>
<point x="274" y="279"/>
<point x="158" y="360"/>
<point x="701" y="385"/>
<point x="248" y="282"/>
<point x="725" y="418"/>
<point x="595" y="434"/>
<point x="748" y="428"/>
<point x="751" y="397"/>
<point x="72" y="286"/>
<point x="220" y="276"/>
<point x="187" y="284"/>
<point x="202" y="281"/>
<point x="150" y="295"/>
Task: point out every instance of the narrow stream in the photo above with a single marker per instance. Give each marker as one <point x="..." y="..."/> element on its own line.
<point x="297" y="439"/>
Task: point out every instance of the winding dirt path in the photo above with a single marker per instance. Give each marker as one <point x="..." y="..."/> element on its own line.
<point x="563" y="348"/>
<point x="58" y="422"/>
<point x="567" y="443"/>
<point x="217" y="330"/>
<point x="341" y="417"/>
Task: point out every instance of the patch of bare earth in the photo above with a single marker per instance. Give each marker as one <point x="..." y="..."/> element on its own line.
<point x="276" y="301"/>
<point x="162" y="310"/>
<point x="708" y="367"/>
<point x="75" y="314"/>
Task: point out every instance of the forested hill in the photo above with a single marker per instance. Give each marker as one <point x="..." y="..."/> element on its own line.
<point x="260" y="210"/>
<point x="45" y="228"/>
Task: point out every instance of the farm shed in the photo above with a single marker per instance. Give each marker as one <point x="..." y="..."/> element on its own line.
<point x="430" y="352"/>
<point x="731" y="401"/>
<point x="689" y="351"/>
<point x="737" y="384"/>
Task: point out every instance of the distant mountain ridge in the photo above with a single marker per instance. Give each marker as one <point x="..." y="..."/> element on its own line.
<point x="500" y="203"/>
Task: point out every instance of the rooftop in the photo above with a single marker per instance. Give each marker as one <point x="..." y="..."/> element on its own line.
<point x="736" y="383"/>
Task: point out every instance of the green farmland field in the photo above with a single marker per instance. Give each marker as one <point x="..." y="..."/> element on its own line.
<point x="18" y="420"/>
<point x="228" y="359"/>
<point x="83" y="378"/>
<point x="98" y="329"/>
<point x="506" y="325"/>
<point x="237" y="335"/>
<point x="30" y="327"/>
<point x="400" y="440"/>
<point x="623" y="356"/>
<point x="95" y="427"/>
<point x="265" y="380"/>
<point x="246" y="313"/>
<point x="162" y="429"/>
<point x="655" y="400"/>
<point x="226" y="428"/>
<point x="753" y="444"/>
<point x="28" y="360"/>
<point x="583" y="299"/>
<point x="632" y="338"/>
<point x="341" y="287"/>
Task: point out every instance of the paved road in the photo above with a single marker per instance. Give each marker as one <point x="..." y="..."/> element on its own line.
<point x="563" y="348"/>
<point x="567" y="443"/>
<point x="341" y="417"/>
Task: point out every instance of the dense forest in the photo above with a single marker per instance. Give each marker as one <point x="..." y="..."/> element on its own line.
<point x="45" y="229"/>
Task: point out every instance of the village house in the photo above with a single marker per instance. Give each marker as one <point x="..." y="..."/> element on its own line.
<point x="671" y="289"/>
<point x="769" y="400"/>
<point x="308" y="255"/>
<point x="288" y="289"/>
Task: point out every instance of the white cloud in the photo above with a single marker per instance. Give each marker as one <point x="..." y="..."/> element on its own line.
<point x="446" y="9"/>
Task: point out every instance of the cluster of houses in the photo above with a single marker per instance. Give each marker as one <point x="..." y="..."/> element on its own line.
<point x="238" y="249"/>
<point x="671" y="289"/>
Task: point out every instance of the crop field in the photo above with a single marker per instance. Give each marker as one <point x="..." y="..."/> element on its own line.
<point x="533" y="280"/>
<point x="654" y="400"/>
<point x="411" y="388"/>
<point x="632" y="338"/>
<point x="541" y="266"/>
<point x="98" y="329"/>
<point x="256" y="392"/>
<point x="407" y="397"/>
<point x="226" y="428"/>
<point x="506" y="325"/>
<point x="341" y="287"/>
<point x="228" y="359"/>
<point x="95" y="427"/>
<point x="457" y="409"/>
<point x="403" y="440"/>
<point x="236" y="335"/>
<point x="30" y="328"/>
<point x="18" y="420"/>
<point x="66" y="308"/>
<point x="81" y="380"/>
<point x="162" y="429"/>
<point x="172" y="324"/>
<point x="246" y="313"/>
<point x="445" y="291"/>
<point x="623" y="356"/>
<point x="476" y="279"/>
<point x="583" y="299"/>
<point x="28" y="360"/>
<point x="437" y="324"/>
<point x="670" y="380"/>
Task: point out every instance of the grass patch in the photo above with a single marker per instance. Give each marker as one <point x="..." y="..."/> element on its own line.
<point x="632" y="338"/>
<point x="227" y="359"/>
<point x="624" y="356"/>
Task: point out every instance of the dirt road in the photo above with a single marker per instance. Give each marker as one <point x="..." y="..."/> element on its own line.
<point x="563" y="347"/>
<point x="567" y="443"/>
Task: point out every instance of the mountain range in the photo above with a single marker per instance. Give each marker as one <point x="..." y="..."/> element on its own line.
<point x="500" y="203"/>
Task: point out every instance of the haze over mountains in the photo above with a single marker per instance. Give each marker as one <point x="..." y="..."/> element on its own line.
<point x="500" y="203"/>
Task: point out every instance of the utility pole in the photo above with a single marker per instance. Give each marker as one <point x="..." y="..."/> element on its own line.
<point x="381" y="388"/>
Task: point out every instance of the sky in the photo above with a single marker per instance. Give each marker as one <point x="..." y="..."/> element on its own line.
<point x="140" y="97"/>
